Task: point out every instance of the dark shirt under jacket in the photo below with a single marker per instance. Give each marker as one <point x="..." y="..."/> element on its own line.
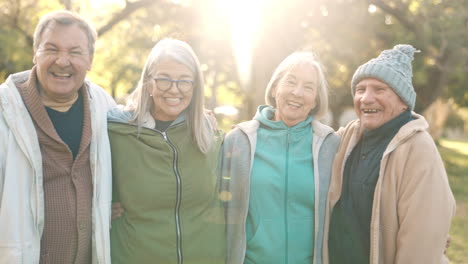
<point x="349" y="238"/>
<point x="69" y="124"/>
<point x="163" y="125"/>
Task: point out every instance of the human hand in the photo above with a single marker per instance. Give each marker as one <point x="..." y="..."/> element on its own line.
<point x="447" y="244"/>
<point x="212" y="118"/>
<point x="117" y="210"/>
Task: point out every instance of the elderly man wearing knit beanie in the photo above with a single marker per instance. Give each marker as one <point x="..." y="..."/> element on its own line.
<point x="389" y="198"/>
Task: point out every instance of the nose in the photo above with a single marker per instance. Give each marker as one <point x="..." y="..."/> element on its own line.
<point x="62" y="59"/>
<point x="173" y="88"/>
<point x="367" y="97"/>
<point x="297" y="90"/>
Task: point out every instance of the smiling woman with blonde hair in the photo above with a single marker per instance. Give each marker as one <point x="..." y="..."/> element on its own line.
<point x="164" y="160"/>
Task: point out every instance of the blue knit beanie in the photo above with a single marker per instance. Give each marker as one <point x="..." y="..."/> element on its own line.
<point x="392" y="67"/>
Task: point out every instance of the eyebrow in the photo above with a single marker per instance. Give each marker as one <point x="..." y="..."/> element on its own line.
<point x="167" y="75"/>
<point x="382" y="86"/>
<point x="309" y="82"/>
<point x="55" y="46"/>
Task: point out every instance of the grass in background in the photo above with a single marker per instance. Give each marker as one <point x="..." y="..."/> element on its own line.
<point x="455" y="156"/>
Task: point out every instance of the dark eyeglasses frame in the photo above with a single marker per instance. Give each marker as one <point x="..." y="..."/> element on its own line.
<point x="177" y="82"/>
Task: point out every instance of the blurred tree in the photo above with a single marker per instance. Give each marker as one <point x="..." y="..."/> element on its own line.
<point x="347" y="33"/>
<point x="343" y="33"/>
<point x="439" y="30"/>
<point x="19" y="18"/>
<point x="127" y="31"/>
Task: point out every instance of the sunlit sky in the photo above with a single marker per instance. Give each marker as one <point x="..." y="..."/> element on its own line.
<point x="244" y="18"/>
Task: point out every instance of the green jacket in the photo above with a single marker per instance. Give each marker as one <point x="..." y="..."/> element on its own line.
<point x="168" y="189"/>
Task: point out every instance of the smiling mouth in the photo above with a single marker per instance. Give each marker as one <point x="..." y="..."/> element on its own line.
<point x="294" y="104"/>
<point x="61" y="75"/>
<point x="369" y="111"/>
<point x="172" y="100"/>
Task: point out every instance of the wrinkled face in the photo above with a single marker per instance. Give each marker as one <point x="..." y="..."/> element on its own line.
<point x="62" y="60"/>
<point x="376" y="103"/>
<point x="296" y="94"/>
<point x="170" y="103"/>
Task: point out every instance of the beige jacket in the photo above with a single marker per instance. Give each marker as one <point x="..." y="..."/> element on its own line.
<point x="413" y="203"/>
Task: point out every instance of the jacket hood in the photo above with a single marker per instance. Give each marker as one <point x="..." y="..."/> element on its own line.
<point x="20" y="77"/>
<point x="418" y="124"/>
<point x="265" y="116"/>
<point x="250" y="127"/>
<point x="118" y="114"/>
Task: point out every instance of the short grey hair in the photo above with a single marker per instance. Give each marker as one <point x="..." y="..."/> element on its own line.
<point x="140" y="102"/>
<point x="65" y="18"/>
<point x="299" y="58"/>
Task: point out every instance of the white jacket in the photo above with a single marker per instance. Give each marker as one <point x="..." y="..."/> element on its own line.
<point x="21" y="190"/>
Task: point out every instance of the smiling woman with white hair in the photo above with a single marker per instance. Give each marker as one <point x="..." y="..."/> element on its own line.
<point x="164" y="160"/>
<point x="277" y="169"/>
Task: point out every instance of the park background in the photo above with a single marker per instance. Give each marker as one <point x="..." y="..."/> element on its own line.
<point x="240" y="42"/>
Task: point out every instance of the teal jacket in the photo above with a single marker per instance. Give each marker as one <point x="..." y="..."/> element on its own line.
<point x="169" y="191"/>
<point x="236" y="166"/>
<point x="280" y="219"/>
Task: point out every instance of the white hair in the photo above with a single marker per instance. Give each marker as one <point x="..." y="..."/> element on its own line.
<point x="297" y="59"/>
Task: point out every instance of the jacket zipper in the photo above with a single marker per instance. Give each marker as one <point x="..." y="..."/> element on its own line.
<point x="286" y="257"/>
<point x="180" y="258"/>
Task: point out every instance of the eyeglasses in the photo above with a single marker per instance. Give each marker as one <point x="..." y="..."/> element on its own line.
<point x="165" y="84"/>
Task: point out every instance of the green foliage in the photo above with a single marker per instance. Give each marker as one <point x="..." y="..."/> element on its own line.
<point x="17" y="22"/>
<point x="455" y="156"/>
<point x="344" y="33"/>
<point x="10" y="59"/>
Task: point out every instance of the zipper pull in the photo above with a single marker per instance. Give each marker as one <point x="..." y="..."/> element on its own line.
<point x="164" y="135"/>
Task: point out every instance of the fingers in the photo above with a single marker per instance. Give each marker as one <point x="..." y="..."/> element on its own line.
<point x="212" y="118"/>
<point x="117" y="210"/>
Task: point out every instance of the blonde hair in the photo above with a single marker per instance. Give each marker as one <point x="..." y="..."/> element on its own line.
<point x="297" y="59"/>
<point x="140" y="102"/>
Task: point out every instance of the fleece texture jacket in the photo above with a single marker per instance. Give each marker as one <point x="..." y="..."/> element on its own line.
<point x="238" y="157"/>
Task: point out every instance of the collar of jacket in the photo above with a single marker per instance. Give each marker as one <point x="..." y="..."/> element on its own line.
<point x="265" y="115"/>
<point x="416" y="125"/>
<point x="319" y="129"/>
<point x="120" y="115"/>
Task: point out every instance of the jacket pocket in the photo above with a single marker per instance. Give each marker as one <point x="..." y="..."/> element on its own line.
<point x="11" y="254"/>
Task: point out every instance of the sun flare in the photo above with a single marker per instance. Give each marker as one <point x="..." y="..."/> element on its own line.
<point x="244" y="18"/>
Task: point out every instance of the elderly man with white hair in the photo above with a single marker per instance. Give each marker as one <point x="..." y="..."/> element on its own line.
<point x="389" y="197"/>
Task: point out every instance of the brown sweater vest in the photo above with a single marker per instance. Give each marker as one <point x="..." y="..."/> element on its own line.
<point x="68" y="188"/>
